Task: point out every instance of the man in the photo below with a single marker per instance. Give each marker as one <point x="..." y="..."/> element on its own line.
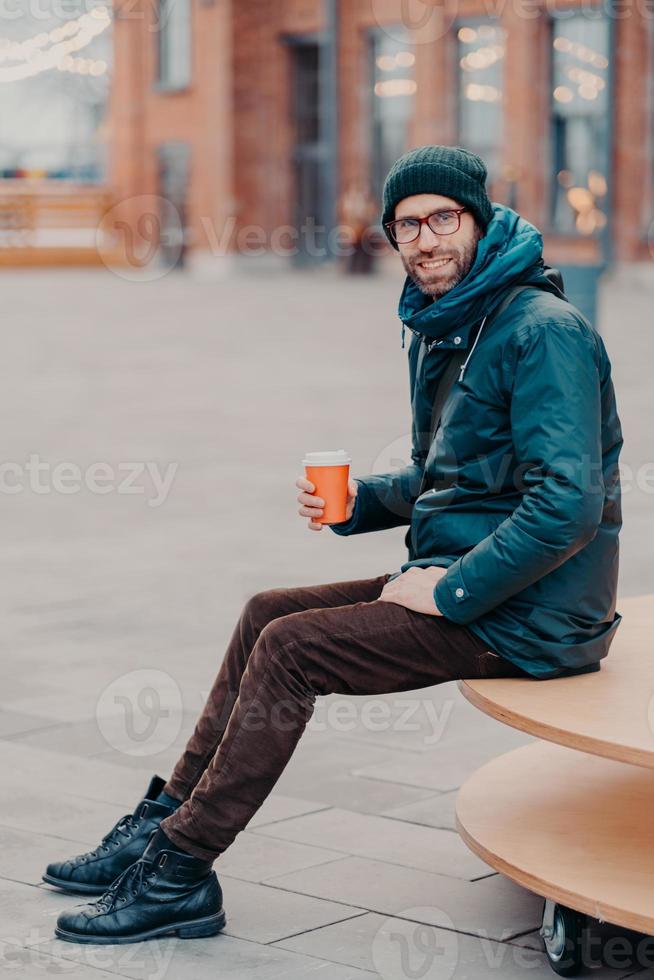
<point x="513" y="509"/>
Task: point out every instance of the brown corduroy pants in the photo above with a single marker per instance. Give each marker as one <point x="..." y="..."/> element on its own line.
<point x="289" y="646"/>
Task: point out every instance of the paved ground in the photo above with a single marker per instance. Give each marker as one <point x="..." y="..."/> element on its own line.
<point x="117" y="607"/>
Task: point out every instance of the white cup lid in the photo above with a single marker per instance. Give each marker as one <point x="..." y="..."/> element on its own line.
<point x="328" y="457"/>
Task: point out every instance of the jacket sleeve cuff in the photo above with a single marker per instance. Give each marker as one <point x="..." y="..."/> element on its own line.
<point x="452" y="597"/>
<point x="349" y="527"/>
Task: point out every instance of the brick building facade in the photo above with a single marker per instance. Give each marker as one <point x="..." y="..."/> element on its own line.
<point x="254" y="118"/>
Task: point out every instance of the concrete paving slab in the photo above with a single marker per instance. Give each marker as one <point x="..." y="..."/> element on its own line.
<point x="202" y="959"/>
<point x="435" y="811"/>
<point x="341" y="789"/>
<point x="322" y="770"/>
<point x="16" y="722"/>
<point x="55" y="705"/>
<point x="17" y="960"/>
<point x="493" y="906"/>
<point x="279" y="807"/>
<point x="24" y="856"/>
<point x="69" y="817"/>
<point x="76" y="738"/>
<point x="449" y="766"/>
<point x="365" y="835"/>
<point x="255" y="857"/>
<point x="58" y="776"/>
<point x="28" y="914"/>
<point x="399" y="948"/>
<point x="422" y="721"/>
<point x="265" y="914"/>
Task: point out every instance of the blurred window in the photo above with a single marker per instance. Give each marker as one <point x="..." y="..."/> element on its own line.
<point x="481" y="47"/>
<point x="393" y="90"/>
<point x="309" y="155"/>
<point x="174" y="33"/>
<point x="580" y="103"/>
<point x="306" y="92"/>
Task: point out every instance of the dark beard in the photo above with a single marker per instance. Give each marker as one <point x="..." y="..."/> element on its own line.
<point x="463" y="262"/>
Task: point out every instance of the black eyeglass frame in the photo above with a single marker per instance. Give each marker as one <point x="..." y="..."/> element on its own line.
<point x="425" y="221"/>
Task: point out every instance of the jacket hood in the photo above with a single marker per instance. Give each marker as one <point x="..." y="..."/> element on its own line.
<point x="508" y="254"/>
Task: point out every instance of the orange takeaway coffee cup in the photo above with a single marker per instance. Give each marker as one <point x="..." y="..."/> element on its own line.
<point x="329" y="472"/>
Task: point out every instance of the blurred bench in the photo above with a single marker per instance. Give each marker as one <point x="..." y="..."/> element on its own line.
<point x="52" y="223"/>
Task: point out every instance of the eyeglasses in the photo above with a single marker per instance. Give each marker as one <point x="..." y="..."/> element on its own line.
<point x="405" y="230"/>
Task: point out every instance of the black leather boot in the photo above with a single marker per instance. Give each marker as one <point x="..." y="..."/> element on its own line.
<point x="93" y="872"/>
<point x="165" y="892"/>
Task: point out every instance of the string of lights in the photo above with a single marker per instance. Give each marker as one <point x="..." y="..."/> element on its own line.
<point x="33" y="56"/>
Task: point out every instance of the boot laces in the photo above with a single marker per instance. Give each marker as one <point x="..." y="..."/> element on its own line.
<point x="123" y="828"/>
<point x="129" y="884"/>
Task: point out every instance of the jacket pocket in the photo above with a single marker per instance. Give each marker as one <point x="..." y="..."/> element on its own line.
<point x="489" y="664"/>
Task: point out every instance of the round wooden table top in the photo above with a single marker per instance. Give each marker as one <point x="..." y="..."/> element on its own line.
<point x="576" y="829"/>
<point x="609" y="712"/>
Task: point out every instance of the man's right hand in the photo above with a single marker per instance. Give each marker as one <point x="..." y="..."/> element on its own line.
<point x="312" y="506"/>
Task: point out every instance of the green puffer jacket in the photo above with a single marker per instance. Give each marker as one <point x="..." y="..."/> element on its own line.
<point x="522" y="504"/>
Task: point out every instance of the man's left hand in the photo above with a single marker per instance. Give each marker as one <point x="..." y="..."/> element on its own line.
<point x="415" y="589"/>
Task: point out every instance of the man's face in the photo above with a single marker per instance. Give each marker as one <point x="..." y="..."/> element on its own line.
<point x="437" y="263"/>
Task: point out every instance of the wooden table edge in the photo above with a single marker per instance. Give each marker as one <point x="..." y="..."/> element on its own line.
<point x="552" y="733"/>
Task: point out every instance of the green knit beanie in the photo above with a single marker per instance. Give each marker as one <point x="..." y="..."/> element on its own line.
<point x="447" y="170"/>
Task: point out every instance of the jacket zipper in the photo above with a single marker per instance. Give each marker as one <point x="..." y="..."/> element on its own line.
<point x="428" y="346"/>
